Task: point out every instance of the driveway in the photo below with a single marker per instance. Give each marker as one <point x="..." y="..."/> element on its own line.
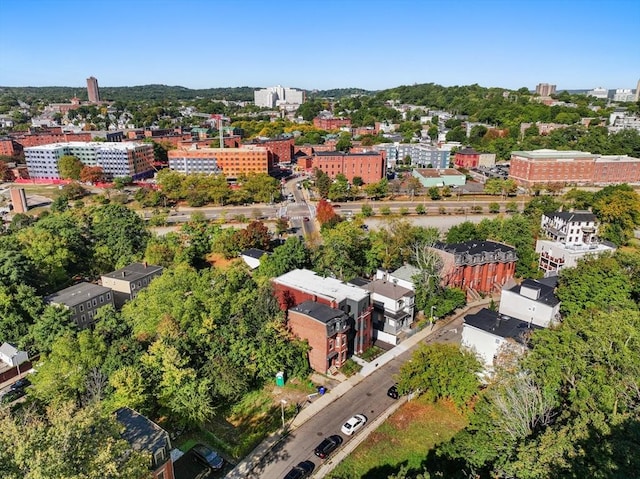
<point x="188" y="468"/>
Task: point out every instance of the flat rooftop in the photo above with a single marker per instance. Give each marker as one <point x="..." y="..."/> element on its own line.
<point x="318" y="311"/>
<point x="388" y="289"/>
<point x="500" y="325"/>
<point x="308" y="281"/>
<point x="133" y="272"/>
<point x="76" y="294"/>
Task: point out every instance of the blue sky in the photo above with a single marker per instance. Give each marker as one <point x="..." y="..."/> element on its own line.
<point x="321" y="44"/>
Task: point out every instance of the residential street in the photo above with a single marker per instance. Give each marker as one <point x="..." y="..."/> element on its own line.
<point x="364" y="393"/>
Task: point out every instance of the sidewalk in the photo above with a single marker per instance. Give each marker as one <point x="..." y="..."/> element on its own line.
<point x="246" y="465"/>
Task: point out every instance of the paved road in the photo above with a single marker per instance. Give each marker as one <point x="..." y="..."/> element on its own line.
<point x="368" y="397"/>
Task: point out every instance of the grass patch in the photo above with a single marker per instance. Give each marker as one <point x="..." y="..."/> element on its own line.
<point x="350" y="367"/>
<point x="371" y="353"/>
<point x="404" y="439"/>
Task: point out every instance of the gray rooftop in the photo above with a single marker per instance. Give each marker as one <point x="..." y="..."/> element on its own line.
<point x="500" y="325"/>
<point x="254" y="253"/>
<point x="388" y="289"/>
<point x="134" y="272"/>
<point x="76" y="294"/>
<point x="573" y="216"/>
<point x="140" y="432"/>
<point x="546" y="292"/>
<point x="406" y="272"/>
<point x="318" y="311"/>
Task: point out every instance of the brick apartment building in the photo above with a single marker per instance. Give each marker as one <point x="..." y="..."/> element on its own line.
<point x="330" y="123"/>
<point x="467" y="158"/>
<point x="300" y="285"/>
<point x="232" y="162"/>
<point x="325" y="329"/>
<point x="538" y="167"/>
<point x="477" y="266"/>
<point x="370" y="166"/>
<point x="281" y="148"/>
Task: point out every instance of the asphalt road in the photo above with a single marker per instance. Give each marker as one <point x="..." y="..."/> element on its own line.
<point x="368" y="397"/>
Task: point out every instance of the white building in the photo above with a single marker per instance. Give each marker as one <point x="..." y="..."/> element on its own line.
<point x="487" y="333"/>
<point x="572" y="235"/>
<point x="278" y="96"/>
<point x="393" y="308"/>
<point x="117" y="160"/>
<point x="599" y="92"/>
<point x="623" y="95"/>
<point x="12" y="356"/>
<point x="403" y="276"/>
<point x="533" y="301"/>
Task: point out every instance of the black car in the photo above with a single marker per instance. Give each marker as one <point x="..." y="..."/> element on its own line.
<point x="303" y="469"/>
<point x="392" y="392"/>
<point x="207" y="456"/>
<point x="11" y="396"/>
<point x="20" y="384"/>
<point x="327" y="446"/>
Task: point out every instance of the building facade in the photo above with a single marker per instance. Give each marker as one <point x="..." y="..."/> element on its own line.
<point x="421" y="156"/>
<point x="538" y="167"/>
<point x="430" y="177"/>
<point x="393" y="309"/>
<point x="477" y="267"/>
<point x="274" y="96"/>
<point x="92" y="90"/>
<point x="370" y="166"/>
<point x="325" y="329"/>
<point x="127" y="282"/>
<point x="331" y="123"/>
<point x="83" y="301"/>
<point x="231" y="162"/>
<point x="117" y="160"/>
<point x="281" y="149"/>
<point x="533" y="301"/>
<point x="568" y="236"/>
<point x="467" y="158"/>
<point x="302" y="285"/>
<point x="545" y="89"/>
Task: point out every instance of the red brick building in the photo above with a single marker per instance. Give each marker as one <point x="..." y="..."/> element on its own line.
<point x="370" y="166"/>
<point x="10" y="147"/>
<point x="467" y="158"/>
<point x="529" y="168"/>
<point x="281" y="148"/>
<point x="300" y="285"/>
<point x="330" y="123"/>
<point x="232" y="161"/>
<point x="477" y="266"/>
<point x="49" y="136"/>
<point x="325" y="329"/>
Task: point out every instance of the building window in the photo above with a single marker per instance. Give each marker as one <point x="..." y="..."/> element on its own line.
<point x="81" y="308"/>
<point x="108" y="296"/>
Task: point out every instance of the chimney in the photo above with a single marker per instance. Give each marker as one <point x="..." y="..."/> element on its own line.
<point x="144" y="264"/>
<point x="124" y="273"/>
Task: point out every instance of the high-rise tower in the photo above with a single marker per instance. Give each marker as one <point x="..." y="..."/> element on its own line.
<point x="92" y="90"/>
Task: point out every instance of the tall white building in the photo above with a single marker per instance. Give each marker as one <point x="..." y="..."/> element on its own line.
<point x="599" y="93"/>
<point x="117" y="160"/>
<point x="623" y="94"/>
<point x="276" y="96"/>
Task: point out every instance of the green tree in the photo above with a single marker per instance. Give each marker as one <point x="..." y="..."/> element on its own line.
<point x="343" y="252"/>
<point x="53" y="323"/>
<point x="67" y="442"/>
<point x="293" y="254"/>
<point x="69" y="167"/>
<point x="322" y="182"/>
<point x="441" y="371"/>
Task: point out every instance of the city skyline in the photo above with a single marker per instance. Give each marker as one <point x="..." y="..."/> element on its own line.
<point x="321" y="44"/>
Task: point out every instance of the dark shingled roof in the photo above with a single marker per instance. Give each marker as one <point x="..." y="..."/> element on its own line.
<point x="468" y="151"/>
<point x="474" y="247"/>
<point x="76" y="294"/>
<point x="134" y="272"/>
<point x="547" y="293"/>
<point x="254" y="253"/>
<point x="142" y="433"/>
<point x="318" y="311"/>
<point x="500" y="325"/>
<point x="573" y="216"/>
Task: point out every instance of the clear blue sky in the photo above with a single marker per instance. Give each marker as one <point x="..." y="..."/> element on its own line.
<point x="321" y="44"/>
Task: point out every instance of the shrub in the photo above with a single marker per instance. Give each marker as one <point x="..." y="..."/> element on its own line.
<point x="494" y="207"/>
<point x="385" y="210"/>
<point x="404" y="211"/>
<point x="421" y="210"/>
<point x="367" y="210"/>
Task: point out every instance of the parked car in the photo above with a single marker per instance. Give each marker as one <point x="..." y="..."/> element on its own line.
<point x="207" y="457"/>
<point x="303" y="469"/>
<point x="20" y="384"/>
<point x="12" y="395"/>
<point x="393" y="392"/>
<point x="327" y="446"/>
<point x="353" y="424"/>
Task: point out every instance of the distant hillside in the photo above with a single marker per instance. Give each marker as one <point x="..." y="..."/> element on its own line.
<point x="337" y="93"/>
<point x="142" y="92"/>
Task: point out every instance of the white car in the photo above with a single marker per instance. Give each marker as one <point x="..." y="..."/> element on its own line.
<point x="353" y="424"/>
